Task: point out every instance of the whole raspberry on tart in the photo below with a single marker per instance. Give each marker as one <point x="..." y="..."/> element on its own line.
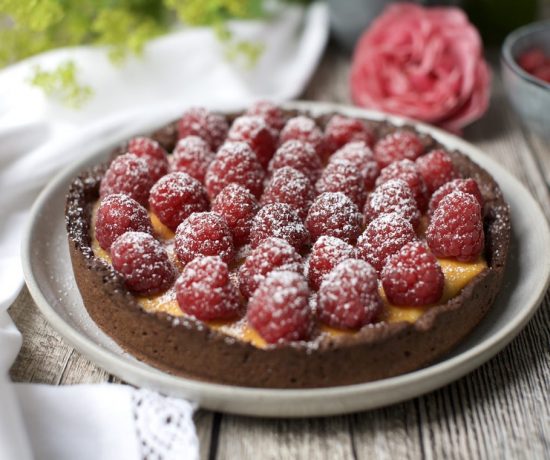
<point x="281" y="221"/>
<point x="334" y="214"/>
<point x="302" y="128"/>
<point x="383" y="237"/>
<point x="152" y="152"/>
<point x="118" y="214"/>
<point x="192" y="155"/>
<point x="341" y="130"/>
<point x="407" y="170"/>
<point x="361" y="156"/>
<point x="200" y="122"/>
<point x="204" y="290"/>
<point x="235" y="163"/>
<point x="456" y="228"/>
<point x="289" y="186"/>
<point x="204" y="234"/>
<point x="348" y="297"/>
<point x="468" y="185"/>
<point x="130" y="175"/>
<point x="326" y="253"/>
<point x="413" y="276"/>
<point x="279" y="308"/>
<point x="399" y="145"/>
<point x="255" y="132"/>
<point x="298" y="155"/>
<point x="143" y="263"/>
<point x="175" y="197"/>
<point x="238" y="206"/>
<point x="270" y="255"/>
<point x="436" y="168"/>
<point x="270" y="113"/>
<point x="392" y="196"/>
<point x="343" y="176"/>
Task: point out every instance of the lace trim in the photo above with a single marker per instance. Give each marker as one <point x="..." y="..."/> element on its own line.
<point x="164" y="426"/>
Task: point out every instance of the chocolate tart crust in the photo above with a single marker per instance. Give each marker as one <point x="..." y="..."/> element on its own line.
<point x="189" y="348"/>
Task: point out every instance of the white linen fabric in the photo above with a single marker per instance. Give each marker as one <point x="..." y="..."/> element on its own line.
<point x="181" y="69"/>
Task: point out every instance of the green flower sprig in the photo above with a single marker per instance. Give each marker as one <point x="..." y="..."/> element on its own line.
<point x="28" y="27"/>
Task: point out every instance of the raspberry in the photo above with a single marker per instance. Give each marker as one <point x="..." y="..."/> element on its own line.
<point x="192" y="155"/>
<point x="383" y="237"/>
<point x="235" y="163"/>
<point x="341" y="130"/>
<point x="304" y="129"/>
<point x="456" y="228"/>
<point x="360" y="155"/>
<point x="436" y="168"/>
<point x="270" y="113"/>
<point x="413" y="276"/>
<point x="343" y="176"/>
<point x="348" y="297"/>
<point x="300" y="156"/>
<point x="392" y="196"/>
<point x="279" y="309"/>
<point x="399" y="145"/>
<point x="281" y="221"/>
<point x="407" y="171"/>
<point x="462" y="185"/>
<point x="334" y="214"/>
<point x="255" y="132"/>
<point x="532" y="60"/>
<point x="327" y="252"/>
<point x="270" y="255"/>
<point x="129" y="175"/>
<point x="204" y="290"/>
<point x="118" y="214"/>
<point x="142" y="262"/>
<point x="204" y="234"/>
<point x="238" y="206"/>
<point x="290" y="187"/>
<point x="152" y="152"/>
<point x="175" y="197"/>
<point x="198" y="121"/>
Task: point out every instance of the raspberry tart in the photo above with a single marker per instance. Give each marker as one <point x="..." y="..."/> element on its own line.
<point x="274" y="248"/>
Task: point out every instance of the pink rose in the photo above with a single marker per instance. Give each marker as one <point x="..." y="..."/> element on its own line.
<point x="423" y="63"/>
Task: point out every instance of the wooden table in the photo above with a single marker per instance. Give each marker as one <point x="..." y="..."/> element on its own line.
<point x="501" y="410"/>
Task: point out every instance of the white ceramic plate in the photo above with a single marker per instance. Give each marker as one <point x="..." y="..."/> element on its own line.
<point x="50" y="280"/>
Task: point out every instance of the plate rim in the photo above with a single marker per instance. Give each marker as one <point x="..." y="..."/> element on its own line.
<point x="451" y="368"/>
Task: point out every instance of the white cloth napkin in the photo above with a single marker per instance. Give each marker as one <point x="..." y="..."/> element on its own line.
<point x="178" y="70"/>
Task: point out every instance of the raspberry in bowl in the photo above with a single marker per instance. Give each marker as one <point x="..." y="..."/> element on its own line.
<point x="524" y="66"/>
<point x="282" y="266"/>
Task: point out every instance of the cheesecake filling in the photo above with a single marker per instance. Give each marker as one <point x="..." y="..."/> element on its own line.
<point x="457" y="275"/>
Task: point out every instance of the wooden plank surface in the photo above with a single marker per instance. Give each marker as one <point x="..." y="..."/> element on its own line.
<point x="501" y="410"/>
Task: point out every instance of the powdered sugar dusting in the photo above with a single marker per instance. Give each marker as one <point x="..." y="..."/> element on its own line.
<point x="281" y="221"/>
<point x="343" y="176"/>
<point x="348" y="297"/>
<point x="300" y="156"/>
<point x="334" y="214"/>
<point x="392" y="196"/>
<point x="279" y="309"/>
<point x="192" y="155"/>
<point x="326" y="253"/>
<point x="235" y="163"/>
<point x="204" y="234"/>
<point x="271" y="254"/>
<point x="289" y="186"/>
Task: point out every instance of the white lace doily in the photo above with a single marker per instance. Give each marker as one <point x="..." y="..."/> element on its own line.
<point x="164" y="426"/>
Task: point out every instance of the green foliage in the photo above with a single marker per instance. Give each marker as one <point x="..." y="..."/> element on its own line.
<point x="62" y="84"/>
<point x="124" y="31"/>
<point x="28" y="27"/>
